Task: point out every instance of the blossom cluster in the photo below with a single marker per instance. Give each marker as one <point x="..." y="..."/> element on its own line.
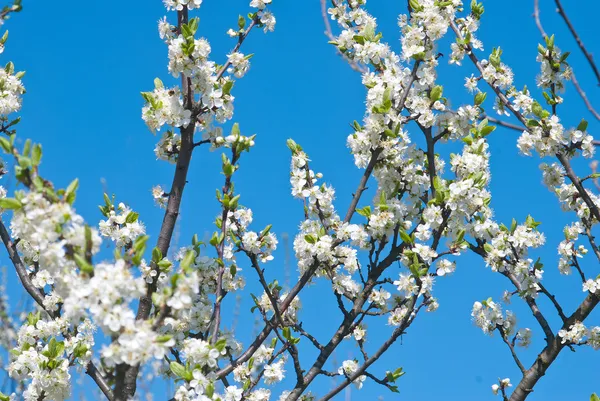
<point x="577" y="333"/>
<point x="11" y="90"/>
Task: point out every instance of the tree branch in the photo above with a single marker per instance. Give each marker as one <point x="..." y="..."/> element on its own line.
<point x="512" y="349"/>
<point x="551" y="351"/>
<point x="587" y="54"/>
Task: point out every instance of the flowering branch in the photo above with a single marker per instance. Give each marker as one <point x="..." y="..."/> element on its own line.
<point x="329" y="33"/>
<point x="538" y="22"/>
<point x="38" y="297"/>
<point x="587" y="54"/>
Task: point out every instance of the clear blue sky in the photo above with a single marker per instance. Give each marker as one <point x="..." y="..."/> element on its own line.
<point x="87" y="62"/>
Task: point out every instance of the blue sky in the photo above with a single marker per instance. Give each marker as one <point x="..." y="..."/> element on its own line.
<point x="87" y="62"/>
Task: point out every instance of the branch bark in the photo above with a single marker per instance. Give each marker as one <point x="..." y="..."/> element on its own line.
<point x="551" y="351"/>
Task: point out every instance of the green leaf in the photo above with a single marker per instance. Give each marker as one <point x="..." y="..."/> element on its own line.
<point x="228" y="169"/>
<point x="210" y="390"/>
<point x="156" y="255"/>
<point x="468" y="139"/>
<point x="214" y="240"/>
<point x="310" y="239"/>
<point x="227" y="86"/>
<point x="10" y="204"/>
<point x="382" y="198"/>
<point x="480" y="98"/>
<point x="550" y="42"/>
<point x="36" y="155"/>
<point x="436" y="93"/>
<point x="131" y="217"/>
<point x="537" y="109"/>
<point x="140" y="242"/>
<point x="180" y="371"/>
<point x="389" y="133"/>
<point x="286" y="333"/>
<point x="5" y="144"/>
<point x="414" y="5"/>
<point x="293" y="146"/>
<point x="187" y="261"/>
<point x="83" y="264"/>
<point x="235" y="130"/>
<point x="241" y="22"/>
<point x="164" y="265"/>
<point x="405" y="237"/>
<point x="194" y="23"/>
<point x="220" y="345"/>
<point x="594" y="397"/>
<point x="72" y="188"/>
<point x="55" y="348"/>
<point x="487" y="130"/>
<point x="531" y="223"/>
<point x="365" y="211"/>
<point x="27" y="147"/>
<point x="186" y="31"/>
<point x="582" y="126"/>
<point x="266" y="230"/>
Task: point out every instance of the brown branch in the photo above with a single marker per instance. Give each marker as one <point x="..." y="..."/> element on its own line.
<point x="512" y="349"/>
<point x="298" y="327"/>
<point x="587" y="54"/>
<point x="591" y="239"/>
<point x="262" y="336"/>
<point x="292" y="349"/>
<point x="552" y="298"/>
<point x="430" y="157"/>
<point x="584" y="97"/>
<point x="6" y="10"/>
<point x="410" y="317"/>
<point x="535" y="310"/>
<point x="362" y="186"/>
<point x="348" y="324"/>
<point x="125" y="383"/>
<point x="536" y="15"/>
<point x="502" y="123"/>
<point x="551" y="351"/>
<point x="241" y="39"/>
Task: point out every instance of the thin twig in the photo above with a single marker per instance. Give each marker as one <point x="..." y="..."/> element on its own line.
<point x="502" y="123"/>
<point x="584" y="97"/>
<point x="587" y="54"/>
<point x="538" y="22"/>
<point x="512" y="349"/>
